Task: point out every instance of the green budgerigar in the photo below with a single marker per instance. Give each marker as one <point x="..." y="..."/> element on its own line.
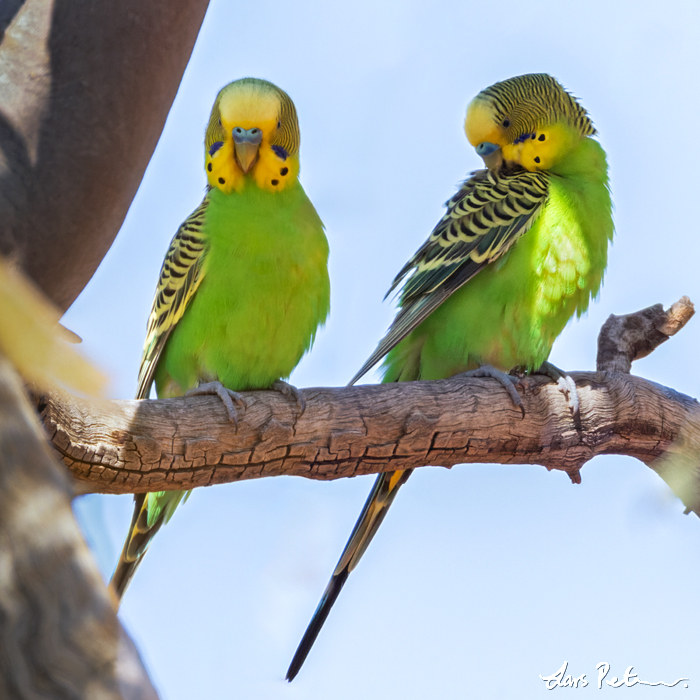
<point x="521" y="249"/>
<point x="244" y="286"/>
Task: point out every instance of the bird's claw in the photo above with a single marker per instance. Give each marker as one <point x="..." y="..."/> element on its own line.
<point x="565" y="383"/>
<point x="290" y="390"/>
<point x="507" y="381"/>
<point x="227" y="396"/>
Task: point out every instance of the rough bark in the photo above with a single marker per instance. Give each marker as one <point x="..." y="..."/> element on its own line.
<point x="624" y="339"/>
<point x="59" y="634"/>
<point x="182" y="443"/>
<point x="137" y="446"/>
<point x="85" y="88"/>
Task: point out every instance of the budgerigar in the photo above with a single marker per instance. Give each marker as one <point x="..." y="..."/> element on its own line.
<point x="244" y="286"/>
<point x="521" y="249"/>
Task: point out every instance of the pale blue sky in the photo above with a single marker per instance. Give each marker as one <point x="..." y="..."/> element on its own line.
<point x="482" y="577"/>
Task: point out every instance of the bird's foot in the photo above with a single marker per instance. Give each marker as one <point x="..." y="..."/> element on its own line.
<point x="564" y="382"/>
<point x="227" y="396"/>
<point x="507" y="381"/>
<point x="290" y="390"/>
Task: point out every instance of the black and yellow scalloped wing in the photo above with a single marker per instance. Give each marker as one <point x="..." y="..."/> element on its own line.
<point x="483" y="220"/>
<point x="181" y="274"/>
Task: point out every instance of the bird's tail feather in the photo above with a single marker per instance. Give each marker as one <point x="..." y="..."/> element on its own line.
<point x="141" y="531"/>
<point x="380" y="499"/>
<point x="128" y="563"/>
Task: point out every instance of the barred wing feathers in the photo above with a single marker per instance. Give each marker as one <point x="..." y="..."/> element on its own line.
<point x="182" y="272"/>
<point x="483" y="220"/>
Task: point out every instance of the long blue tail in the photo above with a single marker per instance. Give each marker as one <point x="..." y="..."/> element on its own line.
<point x="380" y="498"/>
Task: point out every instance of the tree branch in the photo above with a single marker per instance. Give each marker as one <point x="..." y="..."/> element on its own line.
<point x="624" y="339"/>
<point x="182" y="443"/>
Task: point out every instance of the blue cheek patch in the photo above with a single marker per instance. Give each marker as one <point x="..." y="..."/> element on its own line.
<point x="524" y="137"/>
<point x="280" y="152"/>
<point x="215" y="147"/>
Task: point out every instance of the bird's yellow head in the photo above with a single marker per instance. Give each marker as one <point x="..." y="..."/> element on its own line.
<point x="530" y="120"/>
<point x="253" y="134"/>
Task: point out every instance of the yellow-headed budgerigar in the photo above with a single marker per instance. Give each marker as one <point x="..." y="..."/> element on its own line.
<point x="244" y="286"/>
<point x="521" y="249"/>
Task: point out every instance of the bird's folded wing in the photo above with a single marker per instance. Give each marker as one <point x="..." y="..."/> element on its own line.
<point x="483" y="220"/>
<point x="182" y="272"/>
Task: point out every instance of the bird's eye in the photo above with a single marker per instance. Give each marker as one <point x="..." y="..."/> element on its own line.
<point x="279" y="124"/>
<point x="219" y="121"/>
<point x="506" y="123"/>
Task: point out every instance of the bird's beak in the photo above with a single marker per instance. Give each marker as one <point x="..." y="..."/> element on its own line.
<point x="246" y="143"/>
<point x="491" y="154"/>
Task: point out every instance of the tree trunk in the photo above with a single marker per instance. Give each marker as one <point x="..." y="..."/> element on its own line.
<point x="85" y="88"/>
<point x="59" y="634"/>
